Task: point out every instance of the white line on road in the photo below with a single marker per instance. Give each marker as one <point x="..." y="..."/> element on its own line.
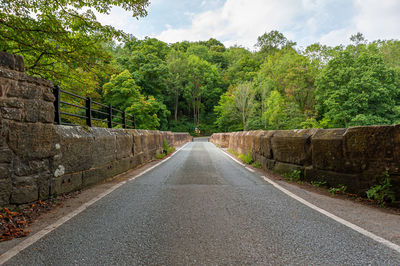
<point x="324" y="212"/>
<point x="32" y="239"/>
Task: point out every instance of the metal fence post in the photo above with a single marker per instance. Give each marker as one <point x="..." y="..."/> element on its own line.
<point x="109" y="118"/>
<point x="57" y="117"/>
<point x="88" y="112"/>
<point x="123" y="119"/>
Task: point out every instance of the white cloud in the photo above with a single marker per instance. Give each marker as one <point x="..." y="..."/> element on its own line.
<point x="374" y="19"/>
<point x="240" y="22"/>
<point x="237" y="22"/>
<point x="307" y="21"/>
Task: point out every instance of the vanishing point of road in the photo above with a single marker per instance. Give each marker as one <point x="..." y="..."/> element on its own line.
<point x="201" y="207"/>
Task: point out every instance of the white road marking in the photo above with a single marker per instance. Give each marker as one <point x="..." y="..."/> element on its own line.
<point x="251" y="170"/>
<point x="32" y="239"/>
<point x="326" y="213"/>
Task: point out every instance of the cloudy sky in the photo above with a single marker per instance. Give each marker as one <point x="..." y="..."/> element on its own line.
<point x="240" y="22"/>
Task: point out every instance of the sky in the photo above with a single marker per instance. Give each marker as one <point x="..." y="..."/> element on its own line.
<point x="240" y="22"/>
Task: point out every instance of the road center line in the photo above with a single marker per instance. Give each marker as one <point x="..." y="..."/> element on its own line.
<point x="324" y="212"/>
<point x="32" y="239"/>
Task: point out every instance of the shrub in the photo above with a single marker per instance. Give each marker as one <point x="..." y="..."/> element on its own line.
<point x="382" y="192"/>
<point x="293" y="176"/>
<point x="246" y="158"/>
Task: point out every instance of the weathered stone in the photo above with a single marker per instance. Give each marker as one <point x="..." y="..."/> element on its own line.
<point x="5" y="155"/>
<point x="26" y="168"/>
<point x="124" y="144"/>
<point x="31" y="141"/>
<point x="334" y="179"/>
<point x="6" y="86"/>
<point x="293" y="146"/>
<point x="96" y="175"/>
<point x="266" y="145"/>
<point x="5" y="170"/>
<point x="5" y="191"/>
<point x="365" y="145"/>
<point x="24" y="194"/>
<point x="44" y="184"/>
<point x="11" y="113"/>
<point x="66" y="183"/>
<point x="12" y="102"/>
<point x="104" y="149"/>
<point x="287" y="168"/>
<point x="46" y="112"/>
<point x="48" y="95"/>
<point x="327" y="149"/>
<point x="76" y="150"/>
<point x="14" y="62"/>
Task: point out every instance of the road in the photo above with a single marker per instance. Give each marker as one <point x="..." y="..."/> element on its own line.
<point x="201" y="207"/>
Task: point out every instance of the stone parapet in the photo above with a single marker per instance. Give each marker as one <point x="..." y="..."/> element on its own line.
<point x="357" y="157"/>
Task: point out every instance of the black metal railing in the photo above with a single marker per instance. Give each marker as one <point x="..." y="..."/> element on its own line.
<point x="72" y="110"/>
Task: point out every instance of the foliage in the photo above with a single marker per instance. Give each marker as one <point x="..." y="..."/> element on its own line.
<point x="62" y="40"/>
<point x="246" y="158"/>
<point x="256" y="164"/>
<point x="382" y="192"/>
<point x="357" y="90"/>
<point x="166" y="148"/>
<point x="160" y="155"/>
<point x="319" y="183"/>
<point x="338" y="190"/>
<point x="294" y="176"/>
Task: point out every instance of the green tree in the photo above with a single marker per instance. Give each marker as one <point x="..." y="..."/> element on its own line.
<point x="58" y="38"/>
<point x="273" y="41"/>
<point x="357" y="90"/>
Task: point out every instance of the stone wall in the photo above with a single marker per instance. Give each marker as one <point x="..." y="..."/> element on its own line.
<point x="356" y="157"/>
<point x="39" y="159"/>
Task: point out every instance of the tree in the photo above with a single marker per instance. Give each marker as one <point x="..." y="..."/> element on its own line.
<point x="177" y="65"/>
<point x="55" y="37"/>
<point x="273" y="41"/>
<point x="202" y="78"/>
<point x="244" y="101"/>
<point x="123" y="93"/>
<point x="357" y="90"/>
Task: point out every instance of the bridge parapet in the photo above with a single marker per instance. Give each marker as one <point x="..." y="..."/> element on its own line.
<point x="39" y="159"/>
<point x="358" y="157"/>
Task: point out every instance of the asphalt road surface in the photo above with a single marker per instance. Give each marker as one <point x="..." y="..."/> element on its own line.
<point x="201" y="207"/>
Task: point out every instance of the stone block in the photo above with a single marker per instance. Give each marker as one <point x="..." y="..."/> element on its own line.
<point x="334" y="179"/>
<point x="370" y="145"/>
<point x="31" y="141"/>
<point x="10" y="61"/>
<point x="327" y="149"/>
<point x="5" y="191"/>
<point x="6" y="155"/>
<point x="104" y="147"/>
<point x="5" y="170"/>
<point x="287" y="168"/>
<point x="24" y="194"/>
<point x="293" y="146"/>
<point x="66" y="183"/>
<point x="44" y="183"/>
<point x="75" y="150"/>
<point x="124" y="144"/>
<point x="11" y="113"/>
<point x="7" y="86"/>
<point x="265" y="144"/>
<point x="30" y="167"/>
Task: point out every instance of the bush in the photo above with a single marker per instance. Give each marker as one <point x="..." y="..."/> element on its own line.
<point x="246" y="158"/>
<point x="293" y="176"/>
<point x="382" y="193"/>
